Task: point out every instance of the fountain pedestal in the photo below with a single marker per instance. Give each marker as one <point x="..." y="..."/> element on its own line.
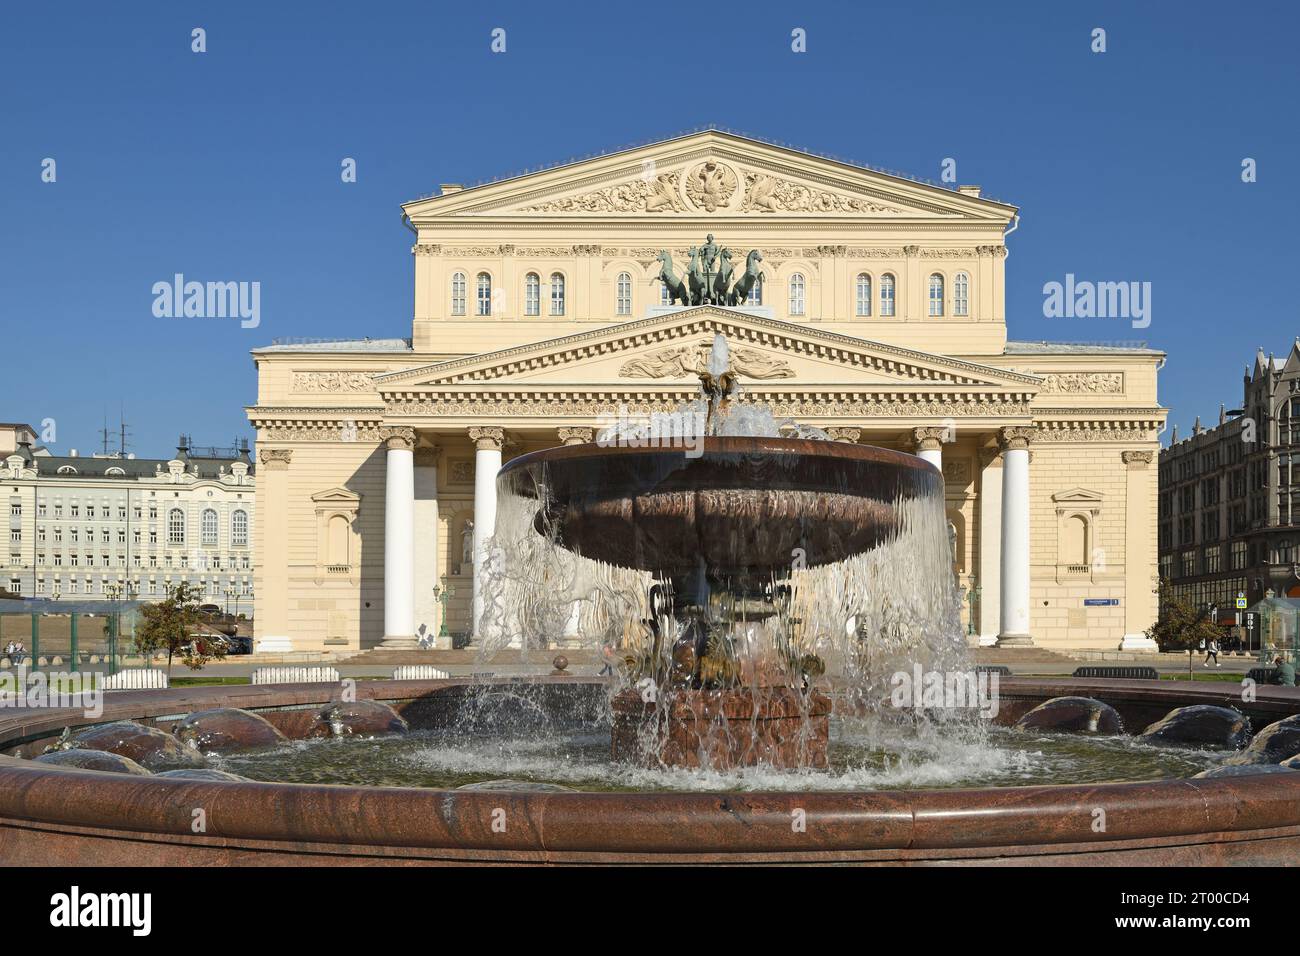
<point x="722" y="729"/>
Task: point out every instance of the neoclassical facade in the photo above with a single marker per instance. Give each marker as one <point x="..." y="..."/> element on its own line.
<point x="876" y="313"/>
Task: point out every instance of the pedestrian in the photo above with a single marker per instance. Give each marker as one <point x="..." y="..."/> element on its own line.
<point x="1212" y="650"/>
<point x="20" y="652"/>
<point x="607" y="653"/>
<point x="1285" y="673"/>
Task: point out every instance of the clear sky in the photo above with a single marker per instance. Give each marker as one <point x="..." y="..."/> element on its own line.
<point x="225" y="165"/>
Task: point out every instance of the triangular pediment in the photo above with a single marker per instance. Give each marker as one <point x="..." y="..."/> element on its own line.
<point x="705" y="176"/>
<point x="336" y="496"/>
<point x="667" y="350"/>
<point x="1077" y="496"/>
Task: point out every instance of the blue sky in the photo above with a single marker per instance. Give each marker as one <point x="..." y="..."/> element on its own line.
<point x="225" y="165"/>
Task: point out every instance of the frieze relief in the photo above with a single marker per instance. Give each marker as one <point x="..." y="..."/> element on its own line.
<point x="1083" y="383"/>
<point x="317" y="382"/>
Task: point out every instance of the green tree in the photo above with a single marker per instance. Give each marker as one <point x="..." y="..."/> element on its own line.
<point x="1181" y="626"/>
<point x="171" y="625"/>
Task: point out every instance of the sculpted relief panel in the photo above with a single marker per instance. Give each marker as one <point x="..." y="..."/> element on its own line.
<point x="687" y="361"/>
<point x="711" y="187"/>
<point x="318" y="382"/>
<point x="1083" y="383"/>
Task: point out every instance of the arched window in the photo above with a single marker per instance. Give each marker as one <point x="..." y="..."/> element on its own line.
<point x="797" y="294"/>
<point x="176" y="526"/>
<point x="623" y="305"/>
<point x="961" y="294"/>
<point x="886" y="296"/>
<point x="936" y="294"/>
<point x="557" y="294"/>
<point x="239" y="529"/>
<point x="864" y="294"/>
<point x="208" y="526"/>
<point x="458" y="293"/>
<point x="532" y="294"/>
<point x="336" y="541"/>
<point x="755" y="296"/>
<point x="484" y="294"/>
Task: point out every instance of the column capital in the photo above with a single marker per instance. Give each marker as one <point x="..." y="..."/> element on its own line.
<point x="845" y="434"/>
<point x="487" y="438"/>
<point x="275" y="459"/>
<point x="576" y="436"/>
<point x="929" y="438"/>
<point x="397" y="437"/>
<point x="1016" y="437"/>
<point x="1136" y="459"/>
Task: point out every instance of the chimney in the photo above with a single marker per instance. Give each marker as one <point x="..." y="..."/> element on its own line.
<point x="972" y="191"/>
<point x="449" y="188"/>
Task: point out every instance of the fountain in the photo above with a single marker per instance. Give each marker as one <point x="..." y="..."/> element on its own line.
<point x="743" y="573"/>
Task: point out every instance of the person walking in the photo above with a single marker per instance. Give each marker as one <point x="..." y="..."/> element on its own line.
<point x="1212" y="650"/>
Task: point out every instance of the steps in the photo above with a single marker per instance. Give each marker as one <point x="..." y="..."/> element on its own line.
<point x="1020" y="655"/>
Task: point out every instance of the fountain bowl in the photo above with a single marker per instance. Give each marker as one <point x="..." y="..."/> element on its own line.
<point x="52" y="815"/>
<point x="742" y="506"/>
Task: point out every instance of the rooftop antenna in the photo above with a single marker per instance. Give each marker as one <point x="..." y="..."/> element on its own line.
<point x="122" y="430"/>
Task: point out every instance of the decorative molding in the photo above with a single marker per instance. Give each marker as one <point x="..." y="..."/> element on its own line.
<point x="576" y="436"/>
<point x="275" y="459"/>
<point x="850" y="435"/>
<point x="1083" y="383"/>
<point x="948" y="253"/>
<point x="487" y="438"/>
<point x="867" y="252"/>
<point x="847" y="405"/>
<point x="861" y="353"/>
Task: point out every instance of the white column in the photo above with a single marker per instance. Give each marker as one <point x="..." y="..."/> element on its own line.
<point x="427" y="561"/>
<point x="1140" y="574"/>
<point x="399" y="539"/>
<point x="572" y="626"/>
<point x="487" y="462"/>
<point x="929" y="444"/>
<point x="1015" y="537"/>
<point x="990" y="550"/>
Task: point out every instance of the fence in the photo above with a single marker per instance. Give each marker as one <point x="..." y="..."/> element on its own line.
<point x="419" y="672"/>
<point x="295" y="675"/>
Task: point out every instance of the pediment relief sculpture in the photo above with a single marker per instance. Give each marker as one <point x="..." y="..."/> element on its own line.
<point x="764" y="193"/>
<point x="686" y="361"/>
<point x="652" y="193"/>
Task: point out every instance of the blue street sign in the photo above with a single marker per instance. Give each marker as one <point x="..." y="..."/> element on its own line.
<point x="1100" y="602"/>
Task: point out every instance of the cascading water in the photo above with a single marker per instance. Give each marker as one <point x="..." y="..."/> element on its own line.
<point x="739" y="576"/>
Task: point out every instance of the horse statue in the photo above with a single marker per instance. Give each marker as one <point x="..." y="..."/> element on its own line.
<point x="723" y="279"/>
<point x="675" y="286"/>
<point x="695" y="276"/>
<point x="745" y="284"/>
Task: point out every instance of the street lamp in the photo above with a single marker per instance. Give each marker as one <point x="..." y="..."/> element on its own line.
<point x="443" y="594"/>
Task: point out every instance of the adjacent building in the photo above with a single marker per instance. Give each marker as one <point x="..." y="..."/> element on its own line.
<point x="1230" y="495"/>
<point x="112" y="526"/>
<point x="878" y="314"/>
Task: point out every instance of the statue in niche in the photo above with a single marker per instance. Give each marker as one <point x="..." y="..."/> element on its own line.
<point x="467" y="543"/>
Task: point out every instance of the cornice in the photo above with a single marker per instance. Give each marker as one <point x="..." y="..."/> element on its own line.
<point x="640" y="332"/>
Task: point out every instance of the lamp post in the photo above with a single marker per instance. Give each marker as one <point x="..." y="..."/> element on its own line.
<point x="443" y="593"/>
<point x="973" y="599"/>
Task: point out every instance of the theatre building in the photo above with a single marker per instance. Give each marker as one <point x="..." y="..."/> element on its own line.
<point x="874" y="310"/>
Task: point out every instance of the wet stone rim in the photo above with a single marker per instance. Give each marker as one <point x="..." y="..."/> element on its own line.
<point x="52" y="815"/>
